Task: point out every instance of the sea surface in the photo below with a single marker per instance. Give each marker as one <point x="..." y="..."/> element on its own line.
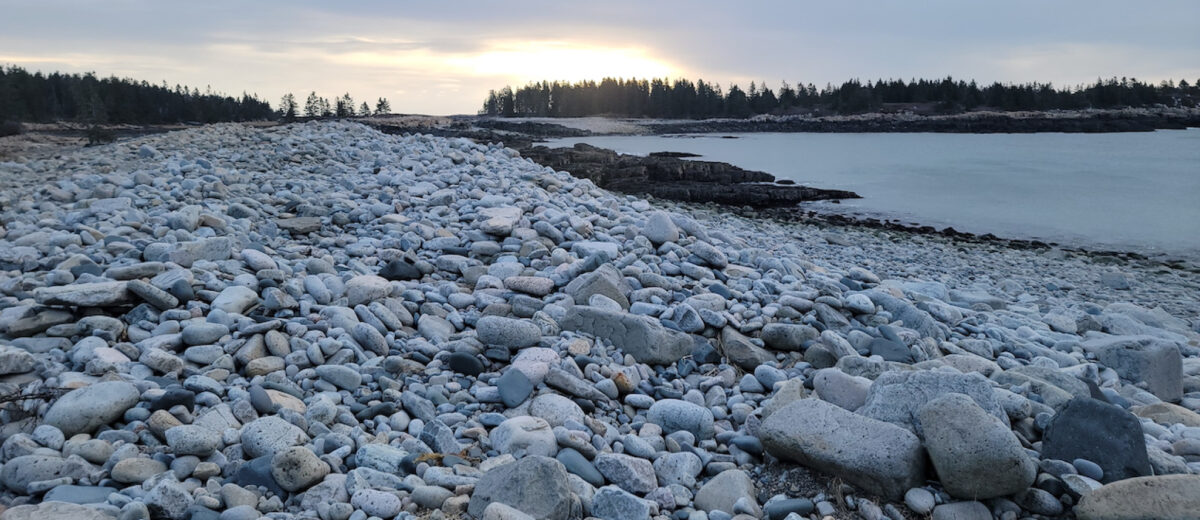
<point x="1136" y="191"/>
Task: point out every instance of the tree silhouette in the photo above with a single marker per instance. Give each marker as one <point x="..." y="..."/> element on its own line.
<point x="312" y="106"/>
<point x="26" y="96"/>
<point x="287" y="107"/>
<point x="684" y="99"/>
<point x="383" y="107"/>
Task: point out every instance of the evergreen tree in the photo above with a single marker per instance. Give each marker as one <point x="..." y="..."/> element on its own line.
<point x="364" y="109"/>
<point x="382" y="107"/>
<point x="312" y="106"/>
<point x="287" y="107"/>
<point x="737" y="103"/>
<point x="681" y="98"/>
<point x="344" y="106"/>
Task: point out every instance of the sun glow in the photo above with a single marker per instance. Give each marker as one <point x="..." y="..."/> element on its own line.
<point x="535" y="61"/>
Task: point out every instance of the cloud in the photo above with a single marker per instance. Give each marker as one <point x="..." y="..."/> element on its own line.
<point x="437" y="57"/>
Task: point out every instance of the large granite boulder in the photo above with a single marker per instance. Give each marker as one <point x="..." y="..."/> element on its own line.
<point x="880" y="457"/>
<point x="535" y="485"/>
<point x="975" y="455"/>
<point x="642" y="337"/>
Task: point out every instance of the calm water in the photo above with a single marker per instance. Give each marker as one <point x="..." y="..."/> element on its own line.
<point x="1127" y="191"/>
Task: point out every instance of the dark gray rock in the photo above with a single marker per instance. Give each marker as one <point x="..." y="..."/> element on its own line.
<point x="1100" y="432"/>
<point x="577" y="464"/>
<point x="465" y="364"/>
<point x="780" y="509"/>
<point x="514" y="387"/>
<point x="537" y="486"/>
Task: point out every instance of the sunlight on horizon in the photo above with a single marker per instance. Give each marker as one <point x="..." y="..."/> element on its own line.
<point x="536" y="61"/>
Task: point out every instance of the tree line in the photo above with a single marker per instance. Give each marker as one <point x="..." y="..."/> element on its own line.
<point x="316" y="106"/>
<point x="38" y="97"/>
<point x="682" y="98"/>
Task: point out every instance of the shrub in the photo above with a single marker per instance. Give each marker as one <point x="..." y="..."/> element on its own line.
<point x="8" y="128"/>
<point x="98" y="135"/>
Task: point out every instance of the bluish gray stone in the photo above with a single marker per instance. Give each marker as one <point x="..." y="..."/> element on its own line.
<point x="614" y="503"/>
<point x="676" y="415"/>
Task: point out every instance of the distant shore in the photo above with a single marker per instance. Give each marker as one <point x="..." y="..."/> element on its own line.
<point x="1068" y="121"/>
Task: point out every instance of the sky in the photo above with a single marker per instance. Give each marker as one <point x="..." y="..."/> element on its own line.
<point x="442" y="57"/>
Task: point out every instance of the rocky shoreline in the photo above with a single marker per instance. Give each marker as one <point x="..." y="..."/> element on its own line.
<point x="1131" y="120"/>
<point x="321" y="320"/>
<point x="664" y="175"/>
<point x="673" y="178"/>
<point x="1069" y="121"/>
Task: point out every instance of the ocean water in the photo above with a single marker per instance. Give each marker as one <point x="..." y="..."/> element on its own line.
<point x="1135" y="191"/>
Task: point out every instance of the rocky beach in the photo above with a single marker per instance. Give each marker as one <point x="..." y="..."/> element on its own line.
<point x="324" y="321"/>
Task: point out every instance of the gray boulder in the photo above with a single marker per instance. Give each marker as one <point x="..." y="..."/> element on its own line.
<point x="270" y="436"/>
<point x="1147" y="359"/>
<point x="723" y="491"/>
<point x="880" y="457"/>
<point x="18" y="472"/>
<point x="676" y="414"/>
<point x="741" y="351"/>
<point x="788" y="336"/>
<point x="85" y="409"/>
<point x="975" y="455"/>
<point x="534" y="485"/>
<point x="896" y="396"/>
<point x="297" y="468"/>
<point x="55" y="511"/>
<point x="632" y="474"/>
<point x="842" y="389"/>
<point x="98" y="294"/>
<point x="1099" y="432"/>
<point x="1164" y="497"/>
<point x="508" y="332"/>
<point x="606" y="281"/>
<point x="660" y="229"/>
<point x="525" y="435"/>
<point x="642" y="337"/>
<point x="614" y="503"/>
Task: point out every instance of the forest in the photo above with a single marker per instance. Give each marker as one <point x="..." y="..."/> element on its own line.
<point x="37" y="97"/>
<point x="682" y="98"/>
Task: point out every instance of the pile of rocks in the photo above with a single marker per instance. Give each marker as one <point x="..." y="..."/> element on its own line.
<point x="322" y="321"/>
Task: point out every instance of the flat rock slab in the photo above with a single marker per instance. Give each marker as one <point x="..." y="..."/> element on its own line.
<point x="1164" y="497"/>
<point x="642" y="337"/>
<point x="54" y="511"/>
<point x="98" y="294"/>
<point x="299" y="225"/>
<point x="880" y="457"/>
